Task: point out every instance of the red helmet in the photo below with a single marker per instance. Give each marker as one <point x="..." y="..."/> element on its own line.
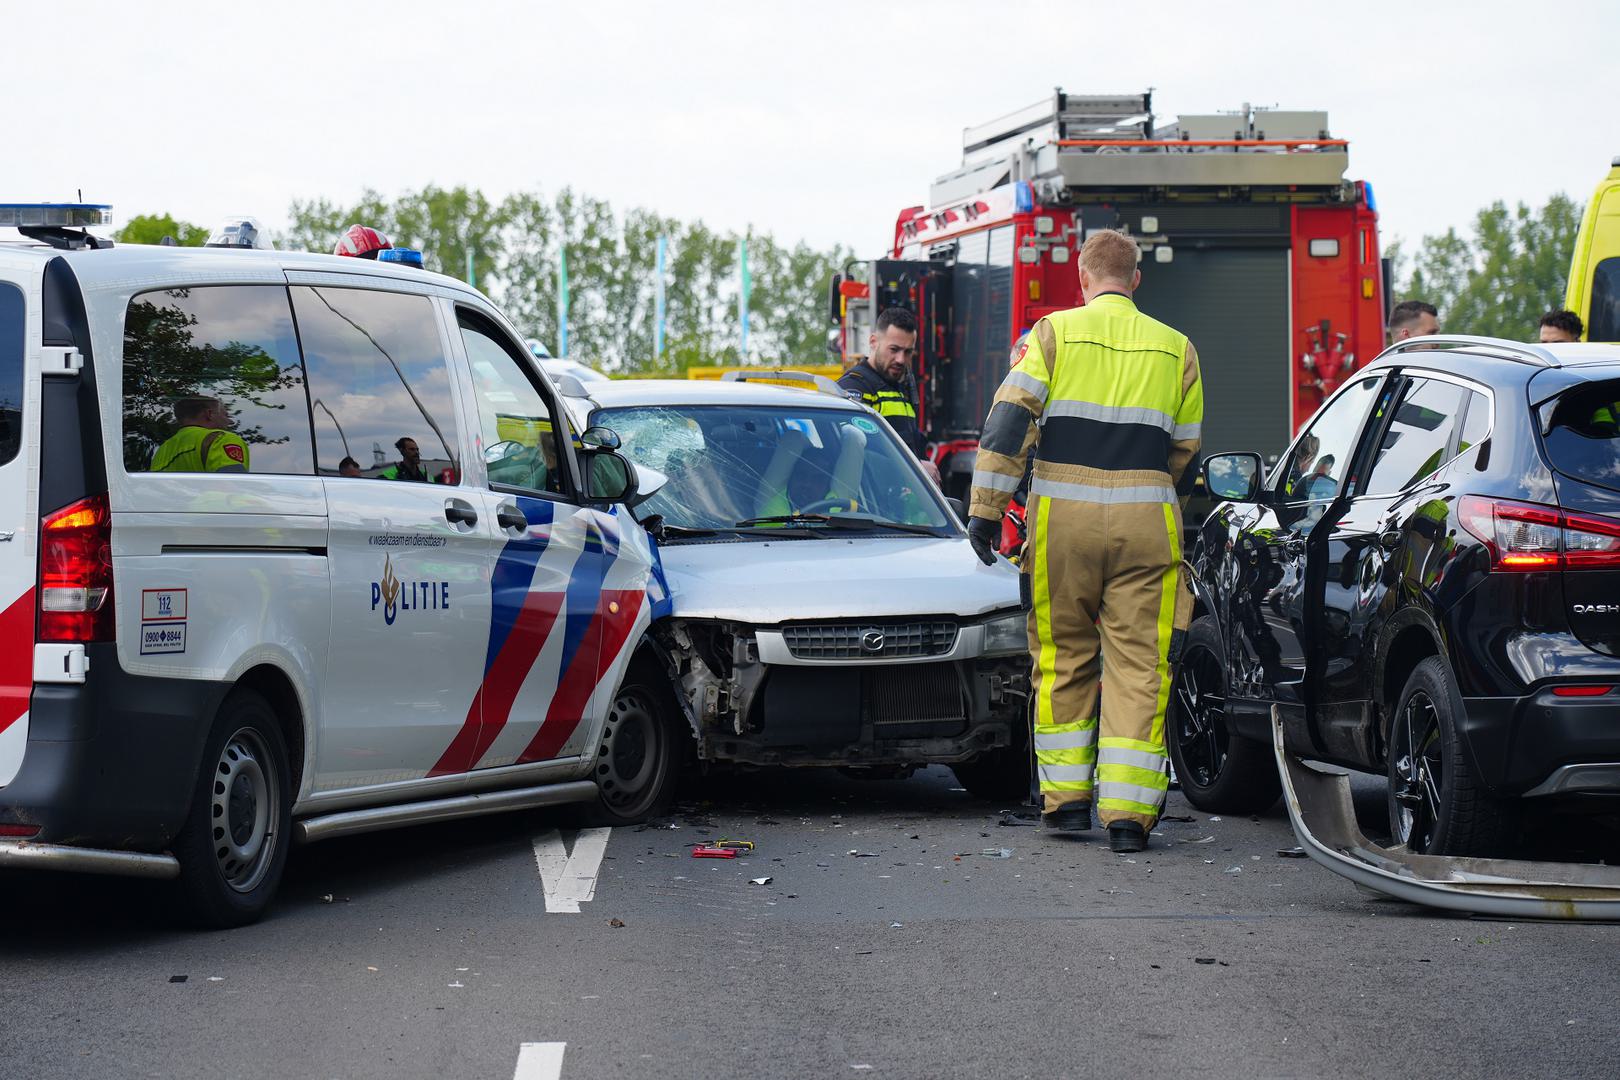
<point x="361" y="241"/>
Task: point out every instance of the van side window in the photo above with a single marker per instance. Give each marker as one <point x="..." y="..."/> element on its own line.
<point x="517" y="422"/>
<point x="13" y="320"/>
<point x="379" y="385"/>
<point x="213" y="382"/>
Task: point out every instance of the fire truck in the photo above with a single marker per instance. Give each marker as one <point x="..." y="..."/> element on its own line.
<point x="1254" y="244"/>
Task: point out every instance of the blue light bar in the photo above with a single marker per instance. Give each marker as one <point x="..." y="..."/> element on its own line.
<point x="402" y="255"/>
<point x="54" y="215"/>
<point x="1372" y="203"/>
<point x="1023" y="197"/>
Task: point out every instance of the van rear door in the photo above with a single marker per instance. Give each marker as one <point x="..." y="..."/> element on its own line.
<point x="1581" y="434"/>
<point x="20" y="277"/>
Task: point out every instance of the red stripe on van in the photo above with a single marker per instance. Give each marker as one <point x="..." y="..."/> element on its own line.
<point x="16" y="658"/>
<point x="615" y="617"/>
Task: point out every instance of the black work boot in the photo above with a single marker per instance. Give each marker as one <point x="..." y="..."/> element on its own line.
<point x="1125" y="837"/>
<point x="1070" y="817"/>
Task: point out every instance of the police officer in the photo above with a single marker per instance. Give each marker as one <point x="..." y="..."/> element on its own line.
<point x="883" y="380"/>
<point x="1119" y="405"/>
<point x="204" y="442"/>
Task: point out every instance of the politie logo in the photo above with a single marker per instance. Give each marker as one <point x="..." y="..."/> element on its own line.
<point x="394" y="595"/>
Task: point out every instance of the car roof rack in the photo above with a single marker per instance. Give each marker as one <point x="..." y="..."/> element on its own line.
<point x="1521" y="351"/>
<point x="820" y="382"/>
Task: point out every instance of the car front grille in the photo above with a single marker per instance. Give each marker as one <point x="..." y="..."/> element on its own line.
<point x="913" y="701"/>
<point x="869" y="641"/>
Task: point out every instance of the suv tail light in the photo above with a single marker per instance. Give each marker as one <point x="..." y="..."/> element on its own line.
<point x="1528" y="536"/>
<point x="75" y="572"/>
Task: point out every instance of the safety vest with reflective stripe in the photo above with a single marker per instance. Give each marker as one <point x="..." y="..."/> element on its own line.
<point x="892" y="401"/>
<point x="200" y="449"/>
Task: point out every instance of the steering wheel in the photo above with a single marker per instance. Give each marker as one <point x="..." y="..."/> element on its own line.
<point x="505" y="448"/>
<point x="824" y="506"/>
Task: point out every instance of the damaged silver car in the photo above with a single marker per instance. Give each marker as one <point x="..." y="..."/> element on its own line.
<point x="823" y="605"/>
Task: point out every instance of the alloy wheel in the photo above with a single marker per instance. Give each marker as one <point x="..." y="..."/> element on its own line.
<point x="1415" y="776"/>
<point x="1201" y="716"/>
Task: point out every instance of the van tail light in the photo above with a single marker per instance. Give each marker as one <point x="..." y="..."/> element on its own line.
<point x="76" y="573"/>
<point x="1529" y="536"/>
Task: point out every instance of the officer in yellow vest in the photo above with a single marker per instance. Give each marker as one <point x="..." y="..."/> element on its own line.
<point x="884" y="380"/>
<point x="204" y="442"/>
<point x="1118" y="404"/>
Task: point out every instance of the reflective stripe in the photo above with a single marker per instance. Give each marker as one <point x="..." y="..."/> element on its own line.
<point x="1046" y="659"/>
<point x="1112" y="414"/>
<point x="1080" y="755"/>
<point x="1184" y="432"/>
<point x="1027" y="383"/>
<point x="1065" y="740"/>
<point x="1093" y="493"/>
<point x="1169" y="584"/>
<point x="1134" y="793"/>
<point x="1113" y="755"/>
<point x="1080" y="774"/>
<point x="995" y="481"/>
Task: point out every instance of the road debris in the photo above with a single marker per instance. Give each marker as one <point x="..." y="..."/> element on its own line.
<point x="861" y="854"/>
<point x="997" y="852"/>
<point x="705" y="851"/>
<point x="1233" y="870"/>
<point x="616" y="923"/>
<point x="1200" y="840"/>
<point x="178" y="978"/>
<point x="1291" y="853"/>
<point x="1178" y="817"/>
<point x="328" y="898"/>
<point x="761" y="880"/>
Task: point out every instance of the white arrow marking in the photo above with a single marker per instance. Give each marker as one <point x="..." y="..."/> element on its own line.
<point x="539" y="1061"/>
<point x="569" y="877"/>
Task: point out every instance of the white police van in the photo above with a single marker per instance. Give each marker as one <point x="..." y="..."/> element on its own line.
<point x="289" y="549"/>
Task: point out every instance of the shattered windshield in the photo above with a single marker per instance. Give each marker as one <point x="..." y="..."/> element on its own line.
<point x="729" y="466"/>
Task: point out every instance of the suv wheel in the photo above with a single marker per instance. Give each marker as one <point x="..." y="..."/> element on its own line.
<point x="1436" y="806"/>
<point x="1219" y="772"/>
<point x="233" y="845"/>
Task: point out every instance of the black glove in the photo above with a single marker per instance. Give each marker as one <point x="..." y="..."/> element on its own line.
<point x="985" y="536"/>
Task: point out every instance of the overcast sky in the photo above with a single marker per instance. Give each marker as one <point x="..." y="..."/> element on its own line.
<point x="814" y="121"/>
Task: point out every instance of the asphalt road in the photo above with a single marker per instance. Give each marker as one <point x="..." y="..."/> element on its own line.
<point x="431" y="953"/>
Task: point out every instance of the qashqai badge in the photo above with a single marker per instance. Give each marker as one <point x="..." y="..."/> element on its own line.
<point x="1596" y="609"/>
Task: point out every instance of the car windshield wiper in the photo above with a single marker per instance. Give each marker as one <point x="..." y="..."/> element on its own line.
<point x="838" y="521"/>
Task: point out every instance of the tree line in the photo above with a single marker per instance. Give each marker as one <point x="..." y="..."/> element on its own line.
<point x="516" y="246"/>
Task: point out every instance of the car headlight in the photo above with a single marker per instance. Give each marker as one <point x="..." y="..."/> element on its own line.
<point x="1007" y="634"/>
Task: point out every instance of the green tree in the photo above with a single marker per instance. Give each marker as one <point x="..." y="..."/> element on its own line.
<point x="152" y="228"/>
<point x="1500" y="278"/>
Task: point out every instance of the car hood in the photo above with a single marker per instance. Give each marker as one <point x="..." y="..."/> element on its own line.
<point x="779" y="581"/>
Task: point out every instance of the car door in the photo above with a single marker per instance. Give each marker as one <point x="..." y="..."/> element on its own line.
<point x="570" y="577"/>
<point x="18" y="498"/>
<point x="411" y="546"/>
<point x="1385" y="546"/>
<point x="1268" y="594"/>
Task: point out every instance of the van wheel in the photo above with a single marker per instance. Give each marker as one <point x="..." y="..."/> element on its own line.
<point x="233" y="846"/>
<point x="639" y="759"/>
<point x="1219" y="772"/>
<point x="1436" y="806"/>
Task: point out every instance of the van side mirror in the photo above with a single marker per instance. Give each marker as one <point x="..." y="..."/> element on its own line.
<point x="1233" y="477"/>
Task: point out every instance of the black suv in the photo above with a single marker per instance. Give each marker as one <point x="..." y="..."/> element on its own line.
<point x="1427" y="583"/>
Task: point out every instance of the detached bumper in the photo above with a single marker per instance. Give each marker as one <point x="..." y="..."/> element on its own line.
<point x="1542" y="744"/>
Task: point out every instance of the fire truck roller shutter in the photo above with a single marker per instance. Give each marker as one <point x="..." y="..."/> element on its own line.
<point x="1234" y="303"/>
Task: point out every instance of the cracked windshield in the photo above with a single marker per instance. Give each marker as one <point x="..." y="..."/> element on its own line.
<point x="727" y="466"/>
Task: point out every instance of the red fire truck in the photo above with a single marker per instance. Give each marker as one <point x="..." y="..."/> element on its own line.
<point x="1254" y="244"/>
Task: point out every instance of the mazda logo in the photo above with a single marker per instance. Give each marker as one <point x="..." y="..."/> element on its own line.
<point x="872" y="641"/>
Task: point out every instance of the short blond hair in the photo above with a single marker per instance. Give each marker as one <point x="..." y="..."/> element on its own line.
<point x="1110" y="255"/>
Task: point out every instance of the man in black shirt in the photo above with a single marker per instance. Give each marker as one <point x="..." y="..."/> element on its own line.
<point x="883" y="380"/>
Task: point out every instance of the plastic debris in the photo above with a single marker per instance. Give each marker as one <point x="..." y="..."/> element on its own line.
<point x="457" y="985"/>
<point x="1291" y="853"/>
<point x="997" y="852"/>
<point x="1200" y="840"/>
<point x="1234" y="870"/>
<point x="861" y="854"/>
<point x="616" y="923"/>
<point x="760" y="881"/>
<point x="707" y="851"/>
<point x="328" y="898"/>
<point x="896" y="925"/>
<point x="1203" y="959"/>
<point x="178" y="978"/>
<point x="1214" y="819"/>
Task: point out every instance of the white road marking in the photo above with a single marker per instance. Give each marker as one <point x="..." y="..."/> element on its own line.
<point x="568" y="877"/>
<point x="539" y="1061"/>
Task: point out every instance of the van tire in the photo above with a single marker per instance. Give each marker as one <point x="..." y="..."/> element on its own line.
<point x="642" y="754"/>
<point x="233" y="846"/>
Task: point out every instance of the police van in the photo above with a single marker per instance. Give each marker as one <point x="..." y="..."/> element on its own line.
<point x="292" y="547"/>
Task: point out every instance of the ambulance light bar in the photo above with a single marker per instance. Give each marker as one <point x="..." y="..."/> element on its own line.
<point x="54" y="215"/>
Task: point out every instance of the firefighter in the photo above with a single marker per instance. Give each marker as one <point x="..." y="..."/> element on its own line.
<point x="1118" y="404"/>
<point x="883" y="380"/>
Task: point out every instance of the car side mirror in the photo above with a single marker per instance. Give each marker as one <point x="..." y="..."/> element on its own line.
<point x="958" y="507"/>
<point x="597" y="437"/>
<point x="609" y="477"/>
<point x="1233" y="477"/>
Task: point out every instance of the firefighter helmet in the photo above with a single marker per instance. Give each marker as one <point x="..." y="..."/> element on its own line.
<point x="362" y="242"/>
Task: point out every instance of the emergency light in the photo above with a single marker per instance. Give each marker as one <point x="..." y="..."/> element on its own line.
<point x="239" y="232"/>
<point x="402" y="255"/>
<point x="54" y="215"/>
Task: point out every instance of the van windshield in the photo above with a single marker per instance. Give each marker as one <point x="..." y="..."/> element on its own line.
<point x="1583" y="437"/>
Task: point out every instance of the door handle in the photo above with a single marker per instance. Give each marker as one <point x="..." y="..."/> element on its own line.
<point x="1390" y="538"/>
<point x="460" y="513"/>
<point x="510" y="517"/>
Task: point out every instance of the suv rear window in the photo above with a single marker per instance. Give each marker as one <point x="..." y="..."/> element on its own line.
<point x="13" y="316"/>
<point x="1583" y="436"/>
<point x="214" y="382"/>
